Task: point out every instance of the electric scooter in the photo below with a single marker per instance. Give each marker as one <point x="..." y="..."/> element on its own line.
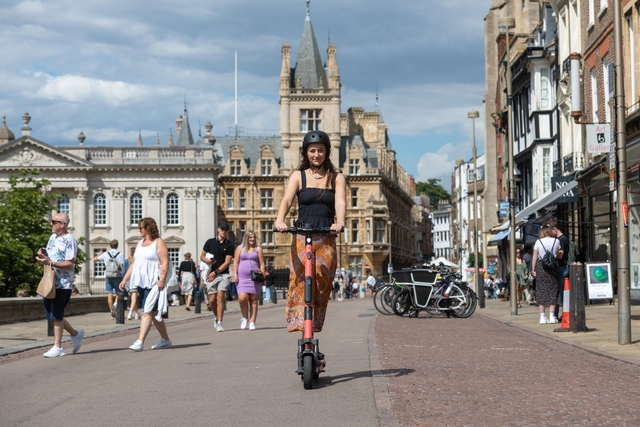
<point x="310" y="361"/>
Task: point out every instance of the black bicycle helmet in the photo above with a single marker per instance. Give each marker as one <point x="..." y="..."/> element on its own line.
<point x="316" y="136"/>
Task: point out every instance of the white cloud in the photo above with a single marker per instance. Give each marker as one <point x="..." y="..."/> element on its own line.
<point x="82" y="89"/>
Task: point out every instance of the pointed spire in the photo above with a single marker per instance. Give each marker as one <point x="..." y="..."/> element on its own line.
<point x="309" y="72"/>
<point x="377" y="109"/>
<point x="170" y="143"/>
<point x="157" y="138"/>
<point x="139" y="137"/>
<point x="308" y="13"/>
<point x="184" y="133"/>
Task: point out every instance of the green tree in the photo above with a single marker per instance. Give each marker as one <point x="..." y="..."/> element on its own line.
<point x="434" y="190"/>
<point x="24" y="228"/>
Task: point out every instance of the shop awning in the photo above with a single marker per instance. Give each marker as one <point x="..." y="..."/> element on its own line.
<point x="534" y="207"/>
<point x="545" y="201"/>
<point x="501" y="235"/>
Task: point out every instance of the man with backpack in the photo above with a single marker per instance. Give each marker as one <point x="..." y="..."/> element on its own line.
<point x="113" y="262"/>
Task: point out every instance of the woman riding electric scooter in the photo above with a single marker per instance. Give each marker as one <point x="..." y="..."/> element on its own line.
<point x="321" y="193"/>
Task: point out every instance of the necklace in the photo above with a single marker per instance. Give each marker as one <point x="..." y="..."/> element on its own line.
<point x="314" y="171"/>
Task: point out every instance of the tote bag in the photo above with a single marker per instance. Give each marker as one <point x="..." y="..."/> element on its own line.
<point x="47" y="285"/>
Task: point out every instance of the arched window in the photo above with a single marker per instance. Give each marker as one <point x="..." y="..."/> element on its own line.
<point x="135" y="208"/>
<point x="99" y="209"/>
<point x="173" y="209"/>
<point x="63" y="204"/>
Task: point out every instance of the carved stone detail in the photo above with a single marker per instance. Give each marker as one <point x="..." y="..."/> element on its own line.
<point x="209" y="192"/>
<point x="191" y="193"/>
<point x="118" y="193"/>
<point x="81" y="192"/>
<point x="155" y="193"/>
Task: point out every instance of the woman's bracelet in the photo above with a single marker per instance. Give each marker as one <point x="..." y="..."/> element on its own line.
<point x="161" y="280"/>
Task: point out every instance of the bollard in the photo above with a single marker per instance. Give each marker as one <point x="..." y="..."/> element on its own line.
<point x="50" y="328"/>
<point x="197" y="301"/>
<point x="577" y="298"/>
<point x="261" y="297"/>
<point x="120" y="308"/>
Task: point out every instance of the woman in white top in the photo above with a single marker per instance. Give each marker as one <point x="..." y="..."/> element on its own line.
<point x="150" y="268"/>
<point x="546" y="280"/>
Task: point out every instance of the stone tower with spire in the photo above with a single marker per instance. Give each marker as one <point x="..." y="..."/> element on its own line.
<point x="309" y="96"/>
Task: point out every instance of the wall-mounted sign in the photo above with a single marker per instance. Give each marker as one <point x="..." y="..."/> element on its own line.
<point x="598" y="138"/>
<point x="504" y="209"/>
<point x="570" y="196"/>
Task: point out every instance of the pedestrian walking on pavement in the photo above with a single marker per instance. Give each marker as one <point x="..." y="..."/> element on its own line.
<point x="60" y="255"/>
<point x="371" y="284"/>
<point x="148" y="275"/>
<point x="546" y="280"/>
<point x="522" y="275"/>
<point x="248" y="257"/>
<point x="112" y="275"/>
<point x="217" y="254"/>
<point x="187" y="273"/>
<point x="321" y="193"/>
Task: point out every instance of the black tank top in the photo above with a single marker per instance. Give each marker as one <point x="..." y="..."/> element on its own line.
<point x="316" y="206"/>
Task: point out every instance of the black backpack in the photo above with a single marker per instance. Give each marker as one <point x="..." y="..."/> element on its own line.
<point x="549" y="260"/>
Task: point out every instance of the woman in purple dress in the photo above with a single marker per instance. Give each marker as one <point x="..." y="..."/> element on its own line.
<point x="248" y="257"/>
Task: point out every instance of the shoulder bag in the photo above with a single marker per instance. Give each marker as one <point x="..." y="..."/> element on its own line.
<point x="47" y="285"/>
<point x="256" y="275"/>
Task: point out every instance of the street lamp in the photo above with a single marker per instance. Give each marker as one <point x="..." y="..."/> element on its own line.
<point x="505" y="24"/>
<point x="390" y="266"/>
<point x="459" y="164"/>
<point x="473" y="115"/>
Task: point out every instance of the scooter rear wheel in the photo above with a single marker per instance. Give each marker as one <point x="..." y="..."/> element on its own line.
<point x="307" y="372"/>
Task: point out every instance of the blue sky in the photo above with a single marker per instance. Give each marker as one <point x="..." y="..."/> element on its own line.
<point x="112" y="68"/>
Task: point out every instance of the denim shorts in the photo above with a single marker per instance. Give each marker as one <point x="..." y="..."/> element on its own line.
<point x="54" y="307"/>
<point x="112" y="285"/>
<point x="143" y="293"/>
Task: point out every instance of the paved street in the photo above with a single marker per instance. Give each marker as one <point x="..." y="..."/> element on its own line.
<point x="483" y="372"/>
<point x="492" y="369"/>
<point x="220" y="379"/>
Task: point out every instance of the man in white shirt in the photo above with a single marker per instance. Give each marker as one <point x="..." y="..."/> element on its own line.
<point x="371" y="284"/>
<point x="111" y="283"/>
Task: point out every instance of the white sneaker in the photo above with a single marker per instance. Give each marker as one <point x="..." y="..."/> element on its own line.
<point x="137" y="345"/>
<point x="219" y="327"/>
<point x="252" y="326"/>
<point x="162" y="344"/>
<point x="137" y="316"/>
<point x="553" y="319"/>
<point x="130" y="316"/>
<point x="215" y="319"/>
<point x="54" y="352"/>
<point x="544" y="320"/>
<point x="77" y="340"/>
<point x="243" y="323"/>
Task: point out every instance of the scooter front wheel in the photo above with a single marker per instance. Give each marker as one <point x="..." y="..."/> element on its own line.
<point x="307" y="372"/>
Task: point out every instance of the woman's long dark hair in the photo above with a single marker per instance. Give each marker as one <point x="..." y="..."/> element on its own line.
<point x="328" y="166"/>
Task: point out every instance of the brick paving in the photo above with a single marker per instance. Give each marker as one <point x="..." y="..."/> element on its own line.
<point x="483" y="372"/>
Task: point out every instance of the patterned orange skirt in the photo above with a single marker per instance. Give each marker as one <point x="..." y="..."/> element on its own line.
<point x="324" y="248"/>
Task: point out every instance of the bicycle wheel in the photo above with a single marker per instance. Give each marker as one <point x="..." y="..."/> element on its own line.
<point x="402" y="303"/>
<point x="377" y="300"/>
<point x="464" y="302"/>
<point x="386" y="299"/>
<point x="307" y="372"/>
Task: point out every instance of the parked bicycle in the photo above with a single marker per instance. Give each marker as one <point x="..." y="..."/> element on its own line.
<point x="436" y="292"/>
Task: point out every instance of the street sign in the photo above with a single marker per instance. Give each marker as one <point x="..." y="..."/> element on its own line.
<point x="561" y="181"/>
<point x="504" y="209"/>
<point x="598" y="138"/>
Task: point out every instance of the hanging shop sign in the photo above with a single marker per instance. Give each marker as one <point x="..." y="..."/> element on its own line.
<point x="598" y="138"/>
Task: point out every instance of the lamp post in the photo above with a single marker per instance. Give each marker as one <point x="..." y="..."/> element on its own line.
<point x="505" y="24"/>
<point x="459" y="164"/>
<point x="624" y="279"/>
<point x="473" y="115"/>
<point x="390" y="267"/>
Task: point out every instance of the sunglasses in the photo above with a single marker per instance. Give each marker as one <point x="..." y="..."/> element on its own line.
<point x="56" y="222"/>
<point x="140" y="228"/>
